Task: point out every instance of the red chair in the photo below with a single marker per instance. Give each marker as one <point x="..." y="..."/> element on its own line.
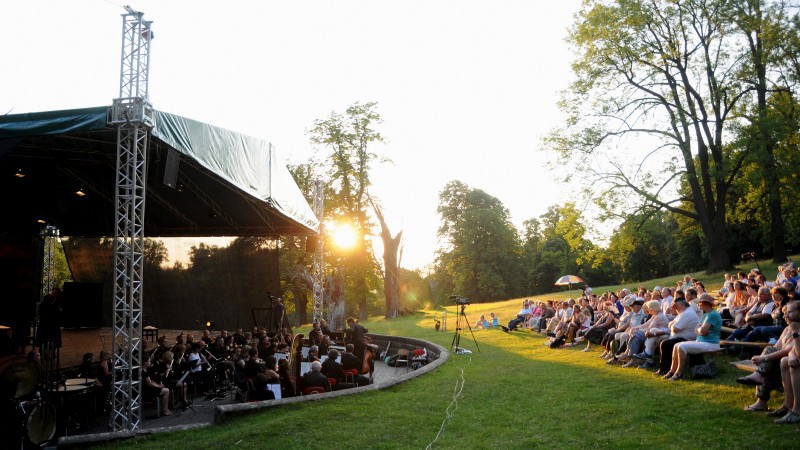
<point x="350" y="375"/>
<point x="332" y="382"/>
<point x="313" y="390"/>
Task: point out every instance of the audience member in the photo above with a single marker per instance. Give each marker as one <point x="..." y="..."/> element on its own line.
<point x="707" y="339"/>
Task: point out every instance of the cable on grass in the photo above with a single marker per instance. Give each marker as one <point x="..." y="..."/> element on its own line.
<point x="450" y="412"/>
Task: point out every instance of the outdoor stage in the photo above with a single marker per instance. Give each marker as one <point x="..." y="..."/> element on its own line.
<point x="77" y="342"/>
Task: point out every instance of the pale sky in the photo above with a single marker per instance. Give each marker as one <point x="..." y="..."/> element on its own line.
<point x="466" y="89"/>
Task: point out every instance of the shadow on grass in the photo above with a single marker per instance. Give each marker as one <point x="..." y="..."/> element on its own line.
<point x="516" y="394"/>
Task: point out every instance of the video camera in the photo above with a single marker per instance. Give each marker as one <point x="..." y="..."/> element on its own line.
<point x="460" y="301"/>
<point x="749" y="255"/>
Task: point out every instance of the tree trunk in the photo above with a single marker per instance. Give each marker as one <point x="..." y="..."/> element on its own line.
<point x="391" y="265"/>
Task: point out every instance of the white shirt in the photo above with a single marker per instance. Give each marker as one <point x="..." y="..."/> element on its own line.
<point x="686" y="322"/>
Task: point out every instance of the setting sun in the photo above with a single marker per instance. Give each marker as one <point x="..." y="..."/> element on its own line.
<point x="343" y="235"/>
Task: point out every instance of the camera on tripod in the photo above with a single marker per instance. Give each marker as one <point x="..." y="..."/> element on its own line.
<point x="749" y="255"/>
<point x="459" y="300"/>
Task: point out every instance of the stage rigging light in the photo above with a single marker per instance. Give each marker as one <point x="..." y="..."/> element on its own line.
<point x="80" y="193"/>
<point x="19" y="174"/>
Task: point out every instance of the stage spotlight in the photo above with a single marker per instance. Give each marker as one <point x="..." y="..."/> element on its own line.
<point x="19" y="174"/>
<point x="210" y="325"/>
<point x="80" y="193"/>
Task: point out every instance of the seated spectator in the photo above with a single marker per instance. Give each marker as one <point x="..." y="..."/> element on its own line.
<point x="482" y="322"/>
<point x="790" y="373"/>
<point x="620" y="345"/>
<point x="522" y="316"/>
<point x="260" y="391"/>
<point x="707" y="339"/>
<point x="595" y="333"/>
<point x="760" y="314"/>
<point x="767" y="375"/>
<point x="681" y="328"/>
<point x="646" y="334"/>
<point x="780" y="297"/>
<point x="579" y="326"/>
<point x="620" y="324"/>
<point x="494" y="321"/>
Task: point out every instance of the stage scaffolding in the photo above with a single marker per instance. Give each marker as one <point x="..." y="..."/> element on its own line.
<point x="132" y="115"/>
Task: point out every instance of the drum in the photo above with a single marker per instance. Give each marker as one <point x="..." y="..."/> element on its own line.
<point x="41" y="423"/>
<point x="79" y="382"/>
<point x="18" y="377"/>
<point x="73" y="389"/>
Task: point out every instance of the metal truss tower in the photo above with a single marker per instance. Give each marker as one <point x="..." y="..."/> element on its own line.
<point x="319" y="209"/>
<point x="132" y="115"/>
<point x="49" y="240"/>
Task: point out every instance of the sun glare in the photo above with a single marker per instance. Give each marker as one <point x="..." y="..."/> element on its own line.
<point x="343" y="235"/>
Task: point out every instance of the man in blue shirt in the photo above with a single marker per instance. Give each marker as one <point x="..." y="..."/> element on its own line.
<point x="522" y="316"/>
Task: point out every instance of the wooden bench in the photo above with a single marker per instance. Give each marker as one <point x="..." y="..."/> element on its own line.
<point x="745" y="365"/>
<point x="725" y="343"/>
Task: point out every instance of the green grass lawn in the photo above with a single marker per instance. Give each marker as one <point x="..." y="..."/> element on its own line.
<point x="516" y="393"/>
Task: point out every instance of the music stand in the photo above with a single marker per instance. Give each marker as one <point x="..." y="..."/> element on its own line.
<point x="182" y="380"/>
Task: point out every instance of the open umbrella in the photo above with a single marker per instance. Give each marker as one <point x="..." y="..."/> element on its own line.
<point x="567" y="280"/>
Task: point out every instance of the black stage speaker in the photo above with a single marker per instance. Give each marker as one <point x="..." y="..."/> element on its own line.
<point x="82" y="305"/>
<point x="171" y="168"/>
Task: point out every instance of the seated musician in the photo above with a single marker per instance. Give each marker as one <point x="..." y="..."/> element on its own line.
<point x="171" y="377"/>
<point x="252" y="365"/>
<point x="325" y="345"/>
<point x="287" y="388"/>
<point x="260" y="391"/>
<point x="313" y="354"/>
<point x="197" y="363"/>
<point x="333" y="369"/>
<point x="265" y="347"/>
<point x="350" y="362"/>
<point x="161" y="347"/>
<point x="315" y="377"/>
<point x="153" y="386"/>
<point x="86" y="369"/>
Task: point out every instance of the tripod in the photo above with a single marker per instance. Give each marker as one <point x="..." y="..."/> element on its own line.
<point x="457" y="337"/>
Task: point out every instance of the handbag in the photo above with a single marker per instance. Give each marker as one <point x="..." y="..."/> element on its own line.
<point x="702" y="371"/>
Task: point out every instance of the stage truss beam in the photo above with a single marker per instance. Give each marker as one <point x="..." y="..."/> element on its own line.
<point x="132" y="115"/>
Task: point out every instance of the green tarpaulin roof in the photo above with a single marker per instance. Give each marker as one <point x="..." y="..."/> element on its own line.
<point x="227" y="183"/>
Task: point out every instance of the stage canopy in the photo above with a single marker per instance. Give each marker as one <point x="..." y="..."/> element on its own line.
<point x="59" y="168"/>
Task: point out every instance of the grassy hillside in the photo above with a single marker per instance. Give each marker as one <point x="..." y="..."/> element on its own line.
<point x="514" y="393"/>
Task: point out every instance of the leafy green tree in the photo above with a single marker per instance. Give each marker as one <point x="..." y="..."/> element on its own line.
<point x="766" y="28"/>
<point x="481" y="249"/>
<point x="657" y="72"/>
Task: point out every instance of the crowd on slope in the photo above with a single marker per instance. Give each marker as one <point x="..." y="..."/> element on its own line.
<point x="667" y="330"/>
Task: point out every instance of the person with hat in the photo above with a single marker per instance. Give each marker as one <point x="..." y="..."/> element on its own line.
<point x="708" y="335"/>
<point x="638" y="318"/>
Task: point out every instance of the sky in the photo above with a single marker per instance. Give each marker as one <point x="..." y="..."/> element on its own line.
<point x="466" y="89"/>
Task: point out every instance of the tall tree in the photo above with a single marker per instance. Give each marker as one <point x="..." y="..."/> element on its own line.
<point x="765" y="27"/>
<point x="481" y="249"/>
<point x="348" y="138"/>
<point x="659" y="71"/>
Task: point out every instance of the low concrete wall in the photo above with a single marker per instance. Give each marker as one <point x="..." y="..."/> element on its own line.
<point x="437" y="355"/>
